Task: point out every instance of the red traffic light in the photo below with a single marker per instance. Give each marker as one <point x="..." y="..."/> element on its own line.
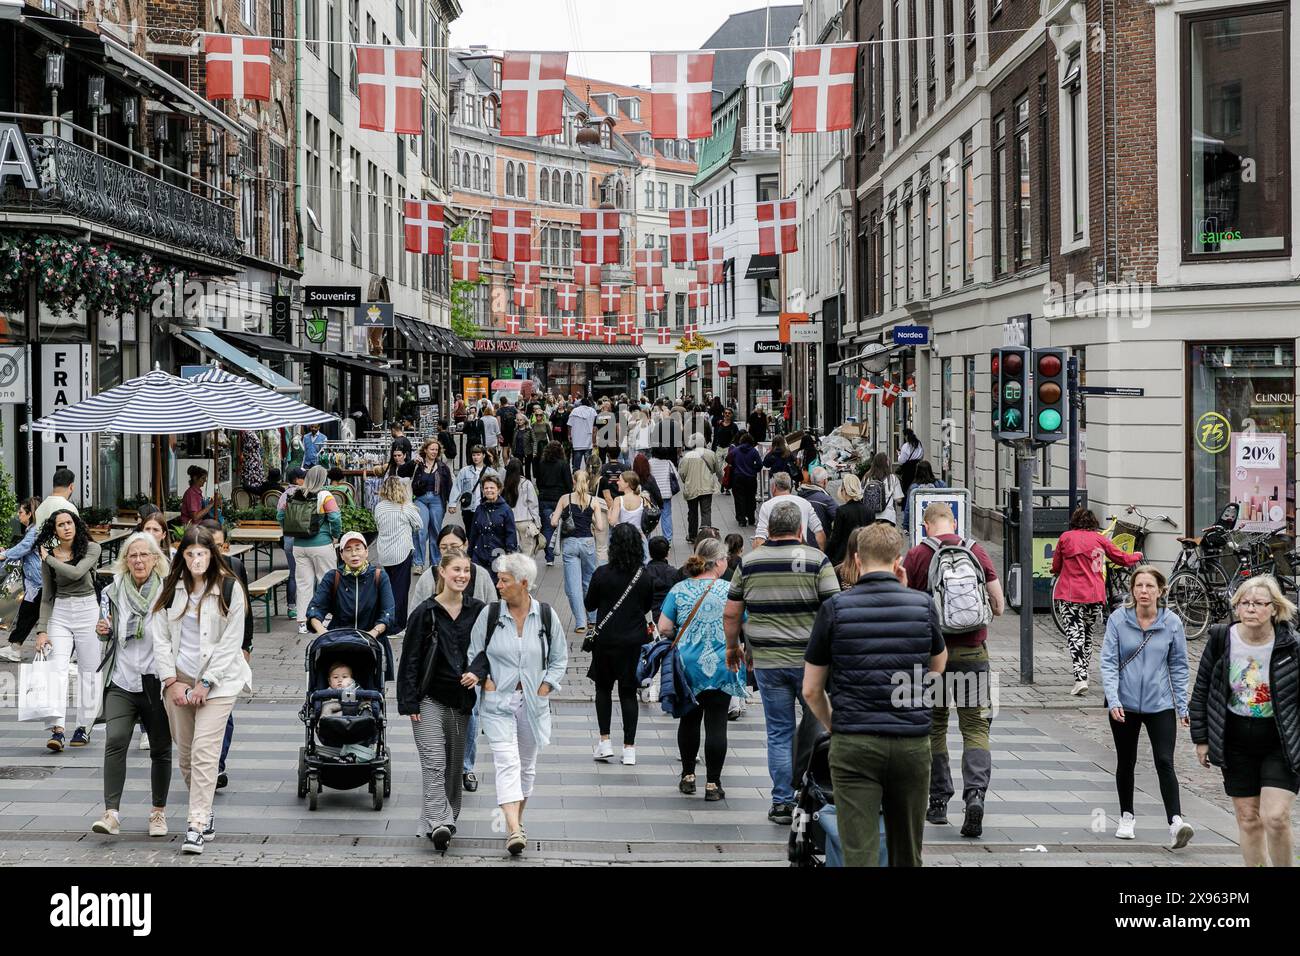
<point x="1049" y="365"/>
<point x="1013" y="363"/>
<point x="996" y="363"/>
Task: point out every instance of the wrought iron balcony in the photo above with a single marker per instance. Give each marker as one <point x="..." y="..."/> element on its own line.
<point x="78" y="182"/>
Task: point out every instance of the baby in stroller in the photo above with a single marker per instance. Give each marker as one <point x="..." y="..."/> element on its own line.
<point x="340" y="677"/>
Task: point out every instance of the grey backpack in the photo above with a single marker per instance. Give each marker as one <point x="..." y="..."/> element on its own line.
<point x="957" y="582"/>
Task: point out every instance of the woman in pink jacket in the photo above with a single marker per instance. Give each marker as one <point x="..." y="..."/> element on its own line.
<point x="1077" y="563"/>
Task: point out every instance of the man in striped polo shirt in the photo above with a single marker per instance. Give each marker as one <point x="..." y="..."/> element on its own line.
<point x="776" y="593"/>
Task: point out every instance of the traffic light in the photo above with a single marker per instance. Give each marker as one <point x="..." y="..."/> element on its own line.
<point x="1010" y="369"/>
<point x="1050" y="394"/>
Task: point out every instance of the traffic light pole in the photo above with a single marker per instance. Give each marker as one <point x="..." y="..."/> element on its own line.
<point x="1074" y="399"/>
<point x="1025" y="478"/>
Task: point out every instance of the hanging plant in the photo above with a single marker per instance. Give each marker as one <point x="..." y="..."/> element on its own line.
<point x="72" y="271"/>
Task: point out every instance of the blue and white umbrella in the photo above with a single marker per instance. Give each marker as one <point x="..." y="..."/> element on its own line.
<point x="255" y="398"/>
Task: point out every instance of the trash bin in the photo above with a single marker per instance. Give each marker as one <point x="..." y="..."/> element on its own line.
<point x="1051" y="520"/>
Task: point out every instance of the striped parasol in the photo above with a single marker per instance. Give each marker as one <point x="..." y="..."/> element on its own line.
<point x="283" y="411"/>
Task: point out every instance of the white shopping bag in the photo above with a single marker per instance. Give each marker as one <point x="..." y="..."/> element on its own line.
<point x="42" y="690"/>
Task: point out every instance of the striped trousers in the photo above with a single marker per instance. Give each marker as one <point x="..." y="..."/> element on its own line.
<point x="440" y="741"/>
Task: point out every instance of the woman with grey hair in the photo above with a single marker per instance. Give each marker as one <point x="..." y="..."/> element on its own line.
<point x="306" y="508"/>
<point x="518" y="651"/>
<point x="132" y="692"/>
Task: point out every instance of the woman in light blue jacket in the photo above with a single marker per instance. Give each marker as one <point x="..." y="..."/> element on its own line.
<point x="26" y="555"/>
<point x="520" y="659"/>
<point x="1144" y="674"/>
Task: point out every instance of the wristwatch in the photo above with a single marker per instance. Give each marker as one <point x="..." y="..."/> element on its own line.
<point x="207" y="684"/>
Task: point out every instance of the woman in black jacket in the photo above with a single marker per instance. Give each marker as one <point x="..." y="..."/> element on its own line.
<point x="473" y="429"/>
<point x="757" y="425"/>
<point x="780" y="458"/>
<point x="430" y="691"/>
<point x="1245" y="715"/>
<point x="554" y="481"/>
<point x="621" y="594"/>
<point x="853" y="513"/>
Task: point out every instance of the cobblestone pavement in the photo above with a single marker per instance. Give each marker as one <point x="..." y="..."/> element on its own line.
<point x="1053" y="785"/>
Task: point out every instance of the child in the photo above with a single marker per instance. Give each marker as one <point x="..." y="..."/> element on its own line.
<point x="341" y="679"/>
<point x="735" y="545"/>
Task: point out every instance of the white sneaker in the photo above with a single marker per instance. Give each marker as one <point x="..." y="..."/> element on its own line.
<point x="144" y="740"/>
<point x="1127" y="823"/>
<point x="302" y="629"/>
<point x="629" y="756"/>
<point x="193" y="841"/>
<point x="1180" y="833"/>
<point x="604" y="750"/>
<point x="1080" y="687"/>
<point x="11" y="653"/>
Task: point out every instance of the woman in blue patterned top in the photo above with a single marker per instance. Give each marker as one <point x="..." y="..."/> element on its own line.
<point x="695" y="606"/>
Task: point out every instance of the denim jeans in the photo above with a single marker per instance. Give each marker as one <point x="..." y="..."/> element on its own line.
<point x="471" y="734"/>
<point x="579" y="458"/>
<point x="430" y="507"/>
<point x="547" y="508"/>
<point x="779" y="688"/>
<point x="579" y="566"/>
<point x="666" y="519"/>
<point x="291" y="586"/>
<point x="225" y="742"/>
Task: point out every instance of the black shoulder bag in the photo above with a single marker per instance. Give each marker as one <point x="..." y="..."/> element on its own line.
<point x="589" y="642"/>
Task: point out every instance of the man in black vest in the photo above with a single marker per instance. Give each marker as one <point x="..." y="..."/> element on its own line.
<point x="874" y="642"/>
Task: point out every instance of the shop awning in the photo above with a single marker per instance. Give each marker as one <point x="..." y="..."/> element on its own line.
<point x="763" y="267"/>
<point x="419" y="335"/>
<point x="564" y="349"/>
<point x="660" y="382"/>
<point x="260" y="344"/>
<point x="356" y="363"/>
<point x="182" y="97"/>
<point x="452" y="344"/>
<point x="208" y="341"/>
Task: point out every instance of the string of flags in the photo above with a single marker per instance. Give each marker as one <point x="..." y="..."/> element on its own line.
<point x="888" y="390"/>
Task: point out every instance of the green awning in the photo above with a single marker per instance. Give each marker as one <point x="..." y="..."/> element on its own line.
<point x="715" y="152"/>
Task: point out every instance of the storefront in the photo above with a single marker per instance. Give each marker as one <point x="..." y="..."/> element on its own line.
<point x="571" y="369"/>
<point x="1241" y="432"/>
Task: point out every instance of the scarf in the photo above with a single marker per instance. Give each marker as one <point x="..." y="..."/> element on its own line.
<point x="344" y="569"/>
<point x="135" y="602"/>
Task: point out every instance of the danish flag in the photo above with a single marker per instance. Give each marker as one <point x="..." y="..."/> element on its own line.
<point x="626" y="323"/>
<point x="532" y="93"/>
<point x="688" y="234"/>
<point x="426" y="227"/>
<point x="524" y="297"/>
<point x="566" y="296"/>
<point x="611" y="296"/>
<point x="637" y="337"/>
<point x="541" y="325"/>
<point x="512" y="324"/>
<point x="512" y="235"/>
<point x="665" y="335"/>
<point x="600" y="235"/>
<point x="697" y="297"/>
<point x="823" y="89"/>
<point x="862" y="390"/>
<point x="584" y="331"/>
<point x="681" y="95"/>
<point x="654" y="298"/>
<point x="778" y="227"/>
<point x="611" y="334"/>
<point x="710" y="271"/>
<point x="239" y="68"/>
<point x="889" y="393"/>
<point x="649" y="267"/>
<point x="567" y="326"/>
<point x="528" y="274"/>
<point x="586" y="275"/>
<point x="389" y="83"/>
<point x="464" y="261"/>
<point x="690" y="330"/>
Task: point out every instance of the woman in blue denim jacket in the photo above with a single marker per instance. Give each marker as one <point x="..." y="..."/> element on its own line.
<point x="24" y="553"/>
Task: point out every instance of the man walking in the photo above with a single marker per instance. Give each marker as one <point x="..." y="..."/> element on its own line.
<point x="863" y="641"/>
<point x="701" y="473"/>
<point x="777" y="591"/>
<point x="811" y="529"/>
<point x="312" y="440"/>
<point x="582" y="422"/>
<point x="967" y="595"/>
<point x="59" y="498"/>
<point x="814" y="492"/>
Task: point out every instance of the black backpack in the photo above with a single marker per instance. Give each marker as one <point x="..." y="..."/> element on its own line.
<point x="494" y="621"/>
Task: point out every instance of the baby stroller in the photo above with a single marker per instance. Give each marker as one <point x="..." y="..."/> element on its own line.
<point x="348" y="749"/>
<point x="809" y="833"/>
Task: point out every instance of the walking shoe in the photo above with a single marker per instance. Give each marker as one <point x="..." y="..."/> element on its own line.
<point x="144" y="740"/>
<point x="469" y="782"/>
<point x="1080" y="687"/>
<point x="222" y="780"/>
<point x="193" y="841"/>
<point x="550" y="562"/>
<point x="781" y="813"/>
<point x="293" y="613"/>
<point x="441" y="837"/>
<point x="687" y="784"/>
<point x="417" y="570"/>
<point x="516" y="842"/>
<point x="157" y="823"/>
<point x="11" y="653"/>
<point x="1124" y="829"/>
<point x="973" y="825"/>
<point x="938" y="811"/>
<point x="713" y="793"/>
<point x="108" y="824"/>
<point x="80" y="737"/>
<point x="55" y="742"/>
<point x="580" y="630"/>
<point x="733" y="709"/>
<point x="302" y="629"/>
<point x="1180" y="833"/>
<point x="210" y="831"/>
<point x="629" y="756"/>
<point x="604" y="750"/>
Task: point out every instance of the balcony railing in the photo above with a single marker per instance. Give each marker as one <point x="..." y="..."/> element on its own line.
<point x="759" y="139"/>
<point x="79" y="182"/>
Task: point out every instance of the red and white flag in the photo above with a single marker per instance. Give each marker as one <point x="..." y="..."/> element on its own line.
<point x="512" y="324"/>
<point x="568" y="326"/>
<point x="541" y="325"/>
<point x="239" y="68"/>
<point x="464" y="261"/>
<point x="889" y="393"/>
<point x="710" y="271"/>
<point x="690" y="330"/>
<point x="611" y="297"/>
<point x="524" y="297"/>
<point x="528" y="273"/>
<point x="665" y="335"/>
<point x="626" y="323"/>
<point x="823" y="89"/>
<point x="426" y="227"/>
<point x="585" y="331"/>
<point x="654" y="298"/>
<point x="649" y="267"/>
<point x="610" y="333"/>
<point x="600" y="235"/>
<point x="681" y="95"/>
<point x="637" y="336"/>
<point x="862" y="389"/>
<point x="688" y="234"/>
<point x="532" y="93"/>
<point x="778" y="227"/>
<point x="586" y="275"/>
<point x="566" y="296"/>
<point x="389" y="82"/>
<point x="697" y="297"/>
<point x="512" y="235"/>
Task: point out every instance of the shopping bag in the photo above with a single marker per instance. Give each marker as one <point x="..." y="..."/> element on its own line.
<point x="42" y="689"/>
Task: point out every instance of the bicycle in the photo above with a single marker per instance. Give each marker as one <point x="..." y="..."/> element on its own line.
<point x="1201" y="588"/>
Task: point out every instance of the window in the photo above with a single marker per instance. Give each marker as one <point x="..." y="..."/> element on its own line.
<point x="248" y="193"/>
<point x="544" y="186"/>
<point x="970" y="22"/>
<point x="277" y="25"/>
<point x="490" y="112"/>
<point x="896" y="256"/>
<point x="870" y="86"/>
<point x="949" y="41"/>
<point x="478" y="175"/>
<point x="401" y="21"/>
<point x="1074" y="188"/>
<point x="679" y="196"/>
<point x="606" y="140"/>
<point x="896" y="55"/>
<point x="1001" y="245"/>
<point x="663" y="195"/>
<point x="315" y="209"/>
<point x="401" y="231"/>
<point x="311" y="25"/>
<point x="577" y="189"/>
<point x="568" y="188"/>
<point x="968" y="209"/>
<point x="510" y="179"/>
<point x="464" y="171"/>
<point x="278" y="207"/>
<point x="929" y="48"/>
<point x="947" y="219"/>
<point x="649" y="194"/>
<point x="1236" y="134"/>
<point x="248" y="13"/>
<point x="336" y="195"/>
<point x="388" y="226"/>
<point x="767" y="188"/>
<point x="927" y="215"/>
<point x="356" y="226"/>
<point x="670" y="149"/>
<point x="1044" y="174"/>
<point x="521" y="183"/>
<point x="907" y="250"/>
<point x="496" y="74"/>
<point x="880" y="77"/>
<point x="1023" y="239"/>
<point x="455" y="168"/>
<point x="487" y="174"/>
<point x="912" y="65"/>
<point x="354" y="31"/>
<point x="372" y="182"/>
<point x="768" y="95"/>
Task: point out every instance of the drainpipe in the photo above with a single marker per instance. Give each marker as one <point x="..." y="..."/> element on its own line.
<point x="1114" y="144"/>
<point x="1105" y="178"/>
<point x="297" y="136"/>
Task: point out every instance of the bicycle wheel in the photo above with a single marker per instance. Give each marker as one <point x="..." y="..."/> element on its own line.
<point x="1190" y="598"/>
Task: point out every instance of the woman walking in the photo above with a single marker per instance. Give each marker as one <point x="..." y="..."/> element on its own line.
<point x="880" y="485"/>
<point x="1245" y="713"/>
<point x="781" y="458"/>
<point x="430" y="487"/>
<point x="26" y="555"/>
<point x="491" y="429"/>
<point x="1144" y="674"/>
<point x="198" y="632"/>
<point x="621" y="594"/>
<point x="629" y="507"/>
<point x="852" y="514"/>
<point x="923" y="478"/>
<point x="910" y="453"/>
<point x="666" y="479"/>
<point x="693" y="612"/>
<point x="397" y="521"/>
<point x="305" y="508"/>
<point x="431" y="689"/>
<point x="578" y="546"/>
<point x="132" y="692"/>
<point x="69" y="613"/>
<point x="1080" y="591"/>
<point x="520" y="659"/>
<point x="746" y="463"/>
<point x="469" y="485"/>
<point x="493" y="532"/>
<point x="554" y="481"/>
<point x="521" y="496"/>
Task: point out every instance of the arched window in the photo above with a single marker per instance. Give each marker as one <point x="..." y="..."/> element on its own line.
<point x="595" y="190"/>
<point x="521" y="184"/>
<point x="510" y="179"/>
<point x="619" y="197"/>
<point x="487" y="174"/>
<point x="577" y="190"/>
<point x="455" y="169"/>
<point x="490" y="112"/>
<point x="478" y="175"/>
<point x="464" y="170"/>
<point x="544" y="186"/>
<point x="568" y="188"/>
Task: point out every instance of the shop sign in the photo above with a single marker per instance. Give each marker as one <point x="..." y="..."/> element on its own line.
<point x="375" y="315"/>
<point x="767" y="347"/>
<point x="316" y="327"/>
<point x="334" y="296"/>
<point x="65" y="380"/>
<point x="728" y="348"/>
<point x="1273" y="399"/>
<point x="911" y="335"/>
<point x="13" y="375"/>
<point x="805" y="332"/>
<point x="475" y="387"/>
<point x="1259" y="481"/>
<point x="423" y="392"/>
<point x="280" y="319"/>
<point x="1213" y="433"/>
<point x="496" y="345"/>
<point x="15" y="157"/>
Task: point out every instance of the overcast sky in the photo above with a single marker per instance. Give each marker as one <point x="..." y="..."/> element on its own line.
<point x="600" y="25"/>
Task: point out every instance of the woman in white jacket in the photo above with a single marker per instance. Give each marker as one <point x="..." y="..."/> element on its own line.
<point x="198" y="632"/>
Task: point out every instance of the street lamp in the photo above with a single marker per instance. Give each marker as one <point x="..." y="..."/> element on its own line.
<point x="95" y="100"/>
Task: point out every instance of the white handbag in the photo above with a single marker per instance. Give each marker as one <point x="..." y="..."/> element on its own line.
<point x="42" y="689"/>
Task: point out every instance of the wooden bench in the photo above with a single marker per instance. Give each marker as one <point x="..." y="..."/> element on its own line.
<point x="265" y="589"/>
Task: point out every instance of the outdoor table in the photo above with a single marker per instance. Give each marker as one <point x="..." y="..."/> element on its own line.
<point x="109" y="542"/>
<point x="259" y="539"/>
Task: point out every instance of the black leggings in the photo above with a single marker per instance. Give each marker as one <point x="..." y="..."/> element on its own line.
<point x="1162" y="730"/>
<point x="712" y="712"/>
<point x="627" y="703"/>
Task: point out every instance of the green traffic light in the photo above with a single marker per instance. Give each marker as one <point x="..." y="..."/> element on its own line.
<point x="1011" y="418"/>
<point x="1049" y="420"/>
